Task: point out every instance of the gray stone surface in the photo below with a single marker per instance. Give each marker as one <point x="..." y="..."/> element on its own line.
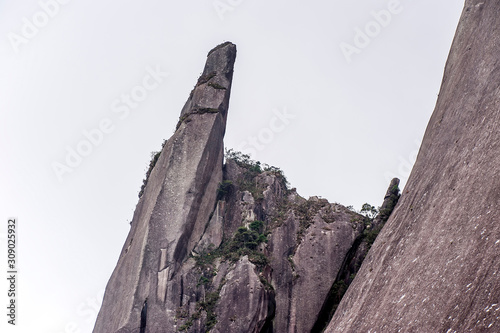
<point x="306" y="266"/>
<point x="192" y="261"/>
<point x="244" y="301"/>
<point x="173" y="212"/>
<point x="435" y="267"/>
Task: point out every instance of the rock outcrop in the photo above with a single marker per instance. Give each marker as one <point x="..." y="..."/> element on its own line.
<point x="228" y="247"/>
<point x="435" y="266"/>
<point x="173" y="211"/>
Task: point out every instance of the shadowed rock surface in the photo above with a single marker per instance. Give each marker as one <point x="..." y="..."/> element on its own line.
<point x="435" y="266"/>
<point x="226" y="248"/>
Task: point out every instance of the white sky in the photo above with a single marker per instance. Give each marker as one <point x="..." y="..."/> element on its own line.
<point x="355" y="124"/>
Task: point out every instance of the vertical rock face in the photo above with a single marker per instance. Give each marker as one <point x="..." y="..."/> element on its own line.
<point x="173" y="211"/>
<point x="307" y="250"/>
<point x="279" y="255"/>
<point x="356" y="256"/>
<point x="228" y="248"/>
<point x="435" y="267"/>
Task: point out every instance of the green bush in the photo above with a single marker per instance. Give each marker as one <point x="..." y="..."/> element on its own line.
<point x="184" y="327"/>
<point x="155" y="155"/>
<point x="244" y="242"/>
<point x="204" y="281"/>
<point x="256" y="226"/>
<point x="370" y="235"/>
<point x="208" y="305"/>
<point x="369" y="211"/>
<point x="207" y="257"/>
<point x="244" y="238"/>
<point x="262" y="238"/>
<point x="253" y="169"/>
<point x="223" y="189"/>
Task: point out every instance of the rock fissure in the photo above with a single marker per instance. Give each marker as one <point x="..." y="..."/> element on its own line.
<point x="144" y="313"/>
<point x="337" y="290"/>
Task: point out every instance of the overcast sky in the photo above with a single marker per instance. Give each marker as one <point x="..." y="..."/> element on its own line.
<point x="336" y="93"/>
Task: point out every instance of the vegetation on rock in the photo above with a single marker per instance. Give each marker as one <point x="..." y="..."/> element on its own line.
<point x="244" y="242"/>
<point x="223" y="189"/>
<point x="248" y="181"/>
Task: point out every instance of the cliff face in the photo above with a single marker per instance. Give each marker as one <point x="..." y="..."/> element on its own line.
<point x="173" y="211"/>
<point x="435" y="266"/>
<point x="229" y="247"/>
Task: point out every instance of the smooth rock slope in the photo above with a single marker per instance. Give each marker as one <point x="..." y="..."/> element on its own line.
<point x="435" y="267"/>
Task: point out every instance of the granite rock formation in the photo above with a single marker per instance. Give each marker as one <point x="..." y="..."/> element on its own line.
<point x="229" y="247"/>
<point x="173" y="211"/>
<point x="435" y="266"/>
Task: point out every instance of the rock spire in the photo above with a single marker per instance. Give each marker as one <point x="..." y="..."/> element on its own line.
<point x="174" y="209"/>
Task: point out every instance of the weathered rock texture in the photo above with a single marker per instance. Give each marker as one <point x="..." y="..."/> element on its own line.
<point x="435" y="266"/>
<point x="228" y="248"/>
<point x="173" y="211"/>
<point x="357" y="255"/>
